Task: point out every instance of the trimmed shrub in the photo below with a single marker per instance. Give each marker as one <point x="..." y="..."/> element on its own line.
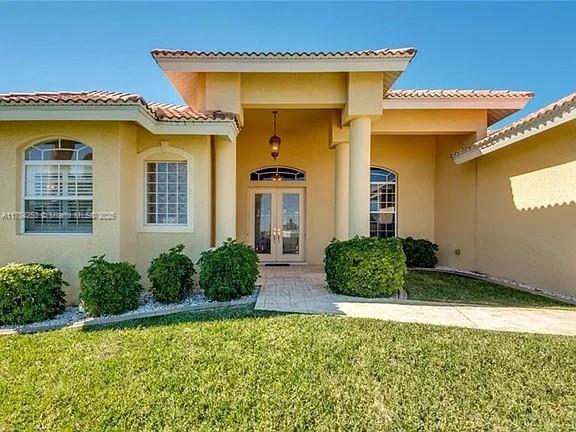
<point x="420" y="252"/>
<point x="228" y="271"/>
<point x="108" y="288"/>
<point x="171" y="274"/>
<point x="365" y="266"/>
<point x="30" y="292"/>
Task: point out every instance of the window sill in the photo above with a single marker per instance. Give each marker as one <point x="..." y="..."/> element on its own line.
<point x="55" y="234"/>
<point x="166" y="229"/>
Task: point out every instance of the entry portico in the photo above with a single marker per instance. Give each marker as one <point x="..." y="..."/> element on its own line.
<point x="338" y="119"/>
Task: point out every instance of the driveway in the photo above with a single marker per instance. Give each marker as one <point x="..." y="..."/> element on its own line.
<point x="302" y="289"/>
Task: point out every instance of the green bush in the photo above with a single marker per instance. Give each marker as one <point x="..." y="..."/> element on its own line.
<point x="228" y="271"/>
<point x="365" y="266"/>
<point x="171" y="274"/>
<point x="30" y="292"/>
<point x="420" y="252"/>
<point x="108" y="288"/>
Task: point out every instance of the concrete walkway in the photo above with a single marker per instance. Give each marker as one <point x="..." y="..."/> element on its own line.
<point x="303" y="289"/>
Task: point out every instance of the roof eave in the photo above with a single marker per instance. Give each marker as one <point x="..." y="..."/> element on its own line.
<point x="121" y="112"/>
<point x="508" y="103"/>
<point x="524" y="131"/>
<point x="276" y="65"/>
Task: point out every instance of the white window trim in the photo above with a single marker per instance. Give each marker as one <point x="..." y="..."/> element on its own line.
<point x="395" y="183"/>
<point x="23" y="197"/>
<point x="164" y="152"/>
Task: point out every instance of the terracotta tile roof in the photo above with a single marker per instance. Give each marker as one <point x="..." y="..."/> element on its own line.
<point x="379" y="53"/>
<point x="162" y="112"/>
<point x="456" y="93"/>
<point x="551" y="115"/>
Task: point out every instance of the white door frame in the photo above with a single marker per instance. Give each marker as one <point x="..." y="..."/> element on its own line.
<point x="277" y="239"/>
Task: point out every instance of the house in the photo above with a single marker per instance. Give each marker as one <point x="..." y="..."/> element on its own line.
<point x="286" y="151"/>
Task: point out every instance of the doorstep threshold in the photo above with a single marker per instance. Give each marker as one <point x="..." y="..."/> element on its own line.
<point x="282" y="264"/>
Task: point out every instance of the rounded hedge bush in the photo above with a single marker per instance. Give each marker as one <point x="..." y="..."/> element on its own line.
<point x="171" y="274"/>
<point x="365" y="266"/>
<point x="30" y="292"/>
<point x="420" y="252"/>
<point x="229" y="271"/>
<point x="108" y="288"/>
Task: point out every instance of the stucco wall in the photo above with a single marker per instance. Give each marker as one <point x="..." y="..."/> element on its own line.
<point x="305" y="135"/>
<point x="527" y="211"/>
<point x="68" y="252"/>
<point x="148" y="244"/>
<point x="305" y="146"/>
<point x="413" y="159"/>
<point x="314" y="90"/>
<point x="455" y="207"/>
<point x="115" y="169"/>
<point x="510" y="213"/>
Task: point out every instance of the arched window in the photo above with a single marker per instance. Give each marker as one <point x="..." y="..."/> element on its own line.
<point x="58" y="187"/>
<point x="277" y="173"/>
<point x="383" y="198"/>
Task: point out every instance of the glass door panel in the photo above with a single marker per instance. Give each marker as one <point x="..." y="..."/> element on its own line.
<point x="290" y="223"/>
<point x="276" y="226"/>
<point x="263" y="223"/>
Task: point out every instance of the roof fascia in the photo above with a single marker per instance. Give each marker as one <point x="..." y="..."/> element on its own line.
<point x="132" y="113"/>
<point x="283" y="64"/>
<point x="544" y="123"/>
<point x="455" y="103"/>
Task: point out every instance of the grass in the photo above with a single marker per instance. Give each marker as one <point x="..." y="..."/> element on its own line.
<point x="244" y="370"/>
<point x="453" y="288"/>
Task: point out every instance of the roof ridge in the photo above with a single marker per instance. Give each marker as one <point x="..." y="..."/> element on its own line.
<point x="439" y="92"/>
<point x="381" y="52"/>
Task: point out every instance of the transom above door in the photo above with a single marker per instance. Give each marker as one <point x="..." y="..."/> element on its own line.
<point x="276" y="224"/>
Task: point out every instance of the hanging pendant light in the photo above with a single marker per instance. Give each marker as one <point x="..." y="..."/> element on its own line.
<point x="274" y="140"/>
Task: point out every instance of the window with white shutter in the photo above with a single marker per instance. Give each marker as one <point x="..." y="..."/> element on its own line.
<point x="58" y="187"/>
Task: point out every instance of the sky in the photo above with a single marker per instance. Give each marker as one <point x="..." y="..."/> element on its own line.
<point x="78" y="46"/>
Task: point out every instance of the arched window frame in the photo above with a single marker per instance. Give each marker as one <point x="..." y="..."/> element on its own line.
<point x="284" y="174"/>
<point x="57" y="193"/>
<point x="164" y="153"/>
<point x="391" y="184"/>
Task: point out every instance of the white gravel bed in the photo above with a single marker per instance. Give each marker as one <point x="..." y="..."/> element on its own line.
<point x="76" y="315"/>
<point x="68" y="317"/>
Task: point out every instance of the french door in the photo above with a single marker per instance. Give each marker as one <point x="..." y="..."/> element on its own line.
<point x="277" y="224"/>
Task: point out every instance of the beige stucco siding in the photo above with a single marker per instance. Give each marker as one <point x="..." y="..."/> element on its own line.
<point x="305" y="146"/>
<point x="510" y="213"/>
<point x="305" y="135"/>
<point x="455" y="207"/>
<point x="527" y="211"/>
<point x="412" y="158"/>
<point x="67" y="252"/>
<point x="149" y="245"/>
<point x="115" y="168"/>
<point x="279" y="90"/>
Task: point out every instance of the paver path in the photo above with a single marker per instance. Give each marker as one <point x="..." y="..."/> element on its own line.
<point x="303" y="289"/>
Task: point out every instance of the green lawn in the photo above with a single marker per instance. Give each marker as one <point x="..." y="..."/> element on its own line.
<point x="454" y="288"/>
<point x="243" y="370"/>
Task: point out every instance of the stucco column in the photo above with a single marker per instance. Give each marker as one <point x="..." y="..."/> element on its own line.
<point x="224" y="189"/>
<point x="342" y="190"/>
<point x="360" y="130"/>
